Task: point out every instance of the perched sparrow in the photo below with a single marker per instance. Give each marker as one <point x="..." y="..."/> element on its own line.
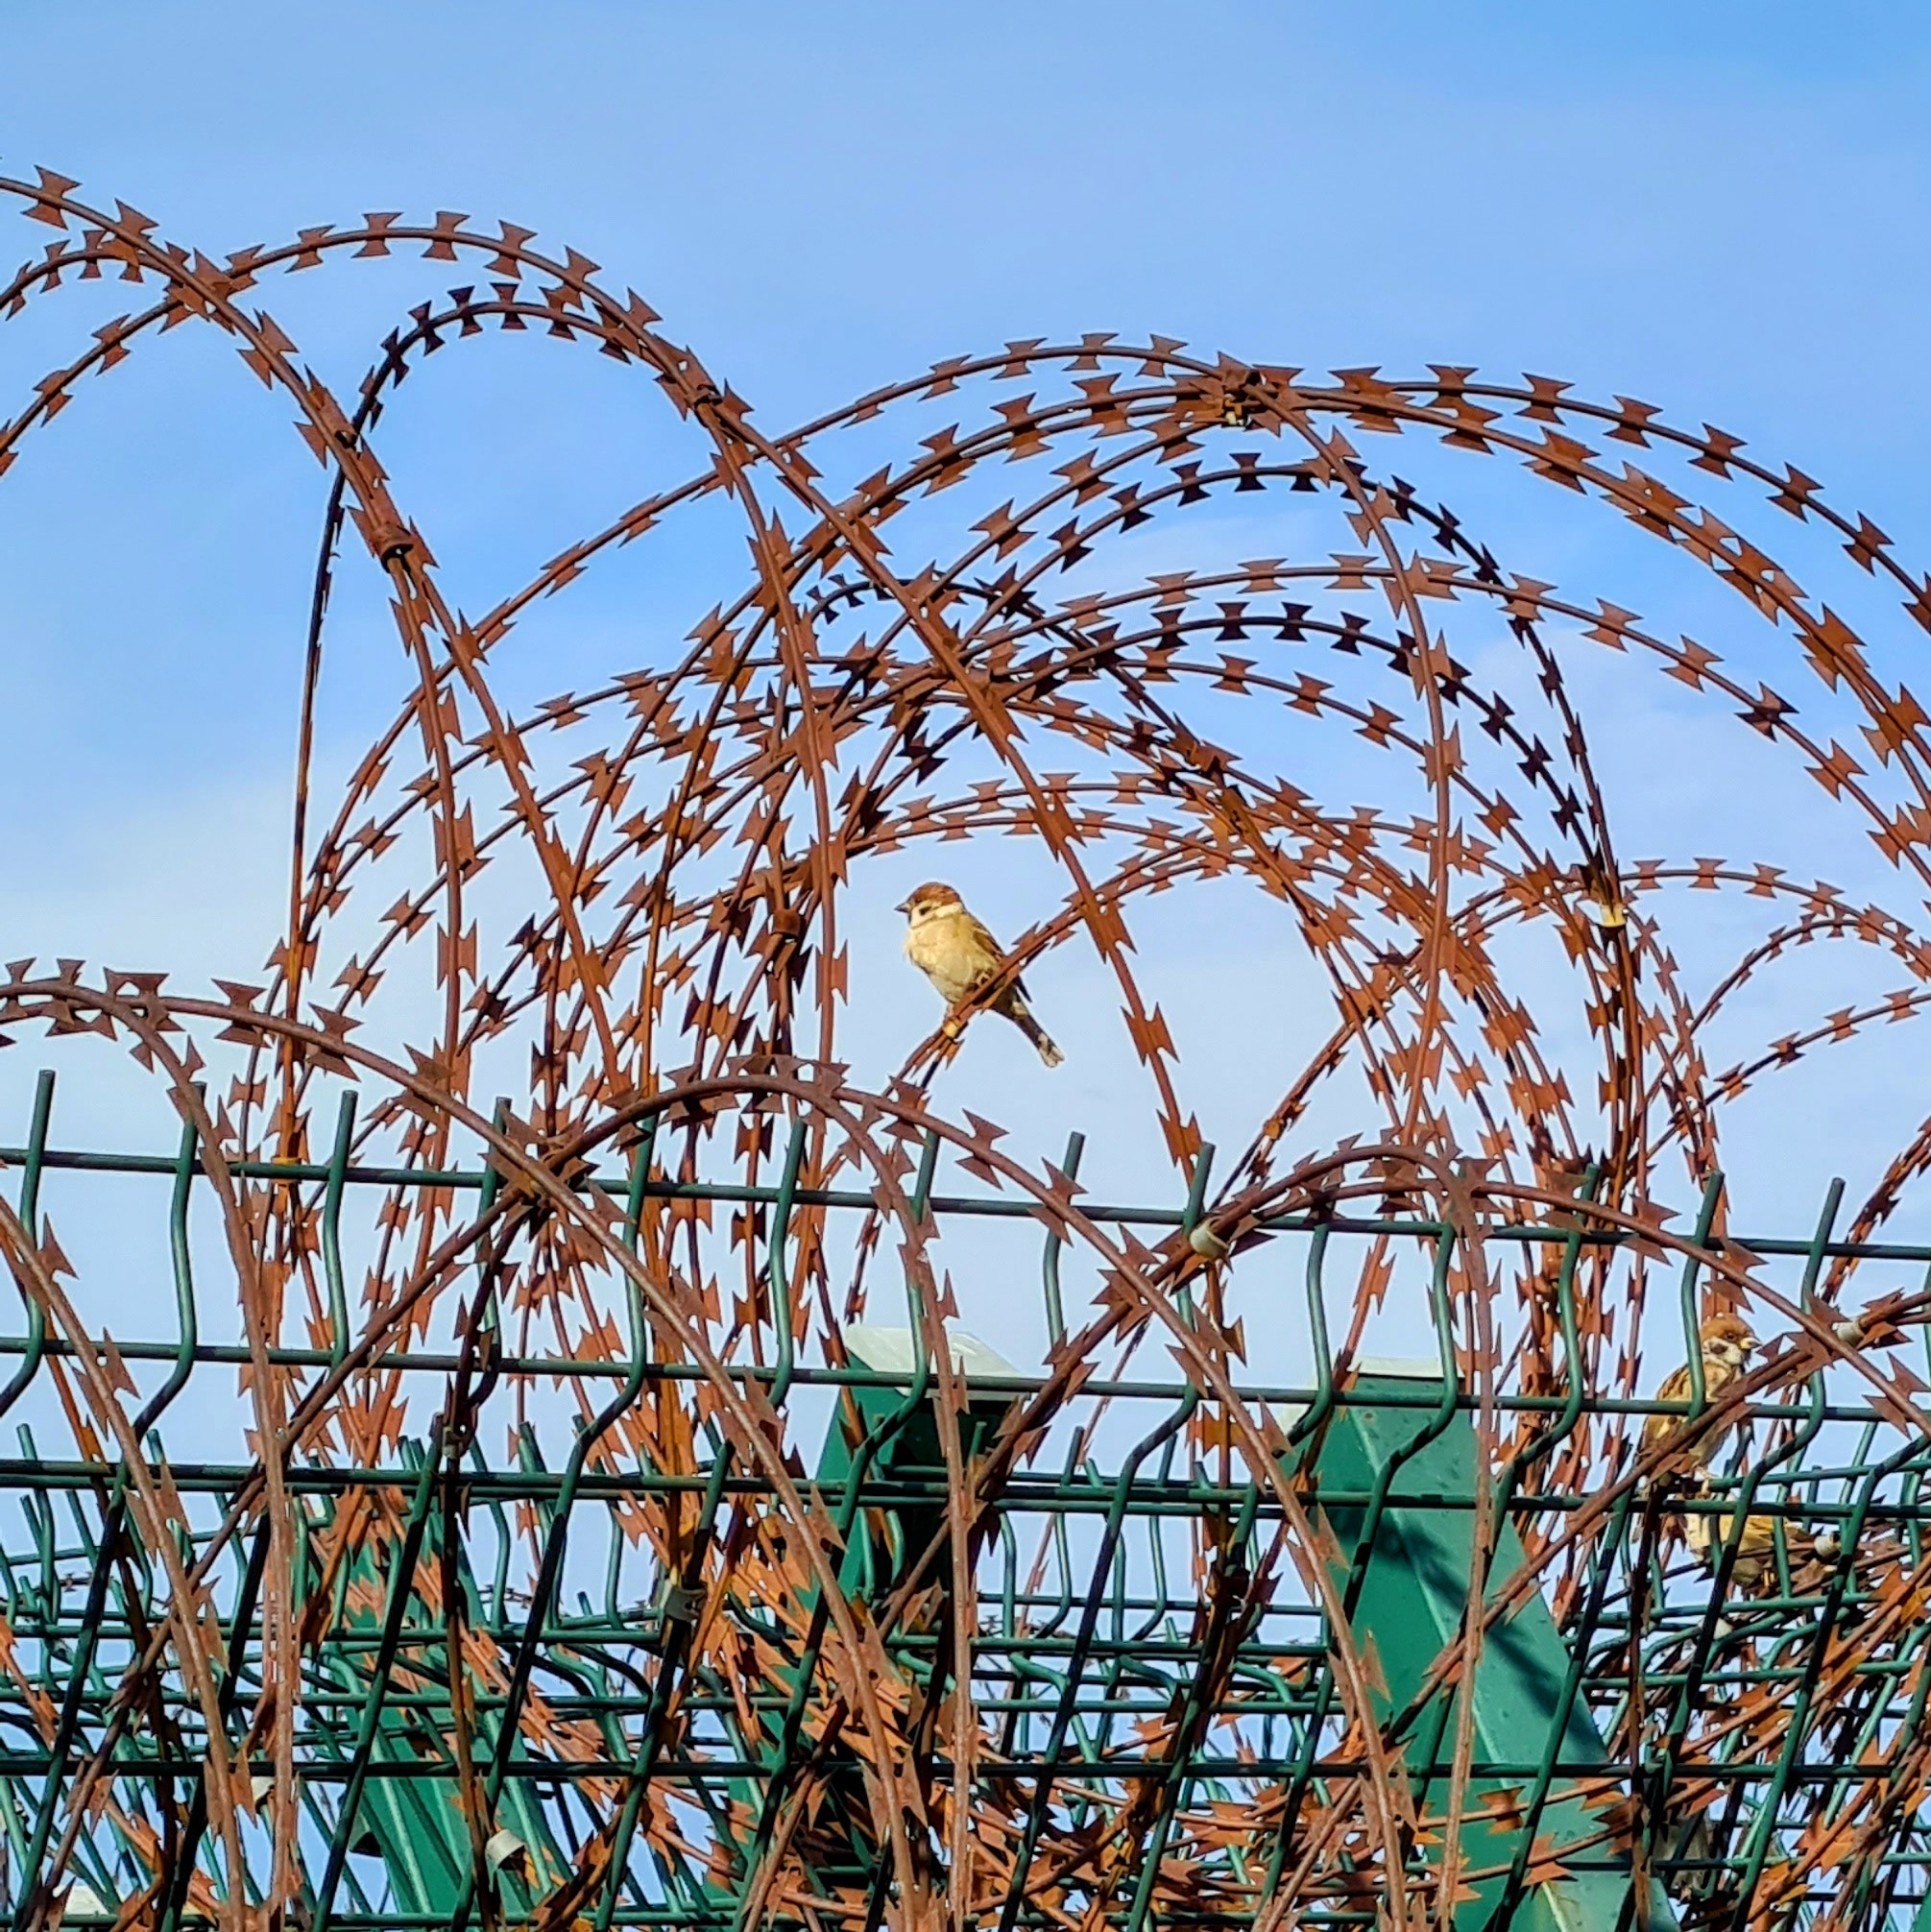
<point x="959" y="955"/>
<point x="1727" y="1344"/>
<point x="1755" y="1567"/>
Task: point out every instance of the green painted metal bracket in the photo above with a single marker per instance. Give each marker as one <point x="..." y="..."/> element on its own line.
<point x="909" y="1454"/>
<point x="883" y="1437"/>
<point x="1407" y="1564"/>
<point x="415" y="1822"/>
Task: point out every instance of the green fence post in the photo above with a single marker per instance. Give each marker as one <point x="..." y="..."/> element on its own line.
<point x="1408" y="1606"/>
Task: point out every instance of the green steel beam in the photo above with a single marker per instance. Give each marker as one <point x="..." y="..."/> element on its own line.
<point x="882" y="1433"/>
<point x="416" y="1824"/>
<point x="1406" y="1566"/>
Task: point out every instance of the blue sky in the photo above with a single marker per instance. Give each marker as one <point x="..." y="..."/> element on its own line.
<point x="1720" y="209"/>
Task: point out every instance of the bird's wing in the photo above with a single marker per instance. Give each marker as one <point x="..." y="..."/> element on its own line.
<point x="1674" y="1388"/>
<point x="981" y="937"/>
<point x="993" y="949"/>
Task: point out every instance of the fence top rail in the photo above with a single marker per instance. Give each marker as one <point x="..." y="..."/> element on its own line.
<point x="298" y="1173"/>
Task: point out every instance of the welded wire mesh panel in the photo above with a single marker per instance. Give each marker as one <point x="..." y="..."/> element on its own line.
<point x="691" y="1642"/>
<point x="588" y="1507"/>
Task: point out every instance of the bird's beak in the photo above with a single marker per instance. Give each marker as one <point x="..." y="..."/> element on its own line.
<point x="903" y="905"/>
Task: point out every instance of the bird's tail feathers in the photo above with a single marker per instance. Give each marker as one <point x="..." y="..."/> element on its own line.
<point x="1043" y="1043"/>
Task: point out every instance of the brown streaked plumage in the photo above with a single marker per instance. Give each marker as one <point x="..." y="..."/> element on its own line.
<point x="959" y="955"/>
<point x="1756" y="1566"/>
<point x="1726" y="1345"/>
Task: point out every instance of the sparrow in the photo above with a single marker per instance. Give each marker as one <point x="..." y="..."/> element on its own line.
<point x="1725" y="1346"/>
<point x="959" y="955"/>
<point x="1754" y="1570"/>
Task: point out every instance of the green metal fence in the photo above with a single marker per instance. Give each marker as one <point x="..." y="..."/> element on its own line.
<point x="572" y="1683"/>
